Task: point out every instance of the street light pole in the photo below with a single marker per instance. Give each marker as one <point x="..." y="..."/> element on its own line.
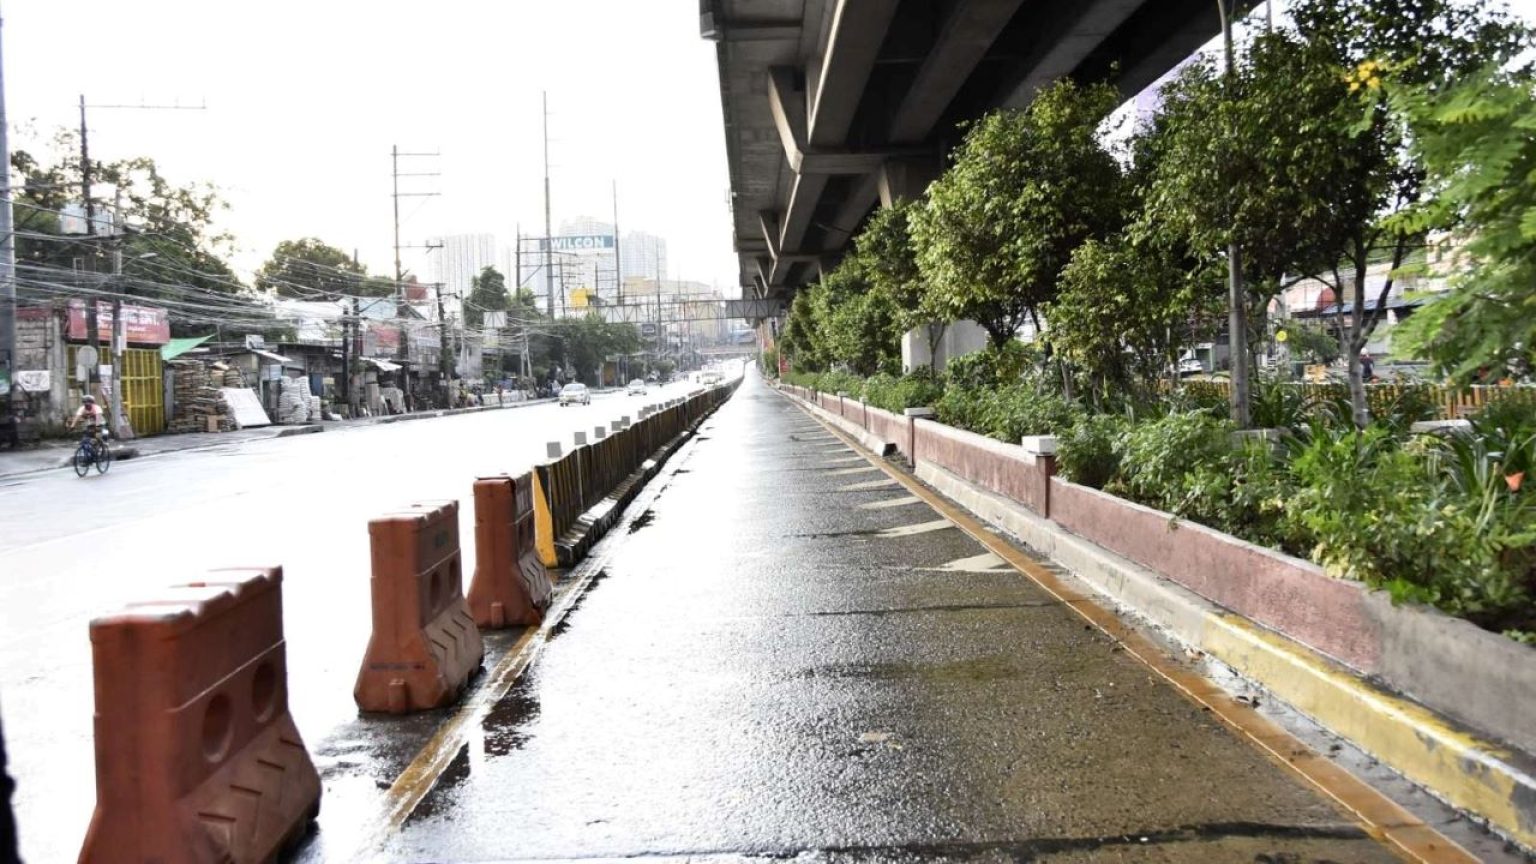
<point x="8" y="362"/>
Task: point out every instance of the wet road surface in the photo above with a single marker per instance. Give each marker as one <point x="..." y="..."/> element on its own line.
<point x="786" y="655"/>
<point x="72" y="548"/>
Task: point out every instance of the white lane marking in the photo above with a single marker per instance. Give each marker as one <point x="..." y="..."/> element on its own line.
<point x="891" y="502"/>
<point x="986" y="562"/>
<point x="847" y="460"/>
<point x="919" y="528"/>
<point x="843" y="472"/>
<point x="867" y="485"/>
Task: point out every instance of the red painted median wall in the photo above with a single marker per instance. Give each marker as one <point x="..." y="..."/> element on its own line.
<point x="1287" y="594"/>
<point x="1004" y="469"/>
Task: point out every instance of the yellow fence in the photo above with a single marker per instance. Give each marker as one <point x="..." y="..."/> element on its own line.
<point x="143" y="388"/>
<point x="1452" y="403"/>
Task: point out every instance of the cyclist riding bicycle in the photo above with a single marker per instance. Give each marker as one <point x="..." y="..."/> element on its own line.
<point x="93" y="417"/>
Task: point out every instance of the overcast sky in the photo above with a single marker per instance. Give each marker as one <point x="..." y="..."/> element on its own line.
<point x="305" y="99"/>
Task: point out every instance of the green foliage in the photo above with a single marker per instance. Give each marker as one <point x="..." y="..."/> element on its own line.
<point x="1263" y="159"/>
<point x="845" y="320"/>
<point x="1277" y="403"/>
<point x="487" y="293"/>
<point x="1477" y="140"/>
<point x="1311" y="343"/>
<point x="1123" y="314"/>
<point x="1206" y="396"/>
<point x="889" y="262"/>
<point x="827" y="382"/>
<point x="1026" y="188"/>
<point x="1088" y="451"/>
<point x="991" y="367"/>
<point x="1007" y="413"/>
<point x="802" y="333"/>
<point x="918" y="389"/>
<point x="309" y="269"/>
<point x="1178" y="463"/>
<point x="1384" y="515"/>
<point x="584" y="343"/>
<point x="770" y="362"/>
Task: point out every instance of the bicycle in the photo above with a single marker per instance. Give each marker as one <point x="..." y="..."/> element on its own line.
<point x="92" y="451"/>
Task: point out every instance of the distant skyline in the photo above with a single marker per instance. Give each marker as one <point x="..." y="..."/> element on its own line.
<point x="304" y="101"/>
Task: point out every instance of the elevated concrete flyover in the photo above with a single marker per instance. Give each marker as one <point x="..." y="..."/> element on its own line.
<point x="832" y="106"/>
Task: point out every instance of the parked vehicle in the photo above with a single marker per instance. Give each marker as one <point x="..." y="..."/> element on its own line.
<point x="636" y="388"/>
<point x="575" y="393"/>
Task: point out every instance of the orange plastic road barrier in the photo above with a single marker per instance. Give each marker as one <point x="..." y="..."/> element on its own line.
<point x="424" y="645"/>
<point x="197" y="757"/>
<point x="510" y="587"/>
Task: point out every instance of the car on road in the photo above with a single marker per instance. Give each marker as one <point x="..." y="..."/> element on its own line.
<point x="575" y="393"/>
<point x="710" y="377"/>
<point x="635" y="388"/>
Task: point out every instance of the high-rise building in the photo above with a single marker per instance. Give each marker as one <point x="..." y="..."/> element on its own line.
<point x="460" y="260"/>
<point x="641" y="255"/>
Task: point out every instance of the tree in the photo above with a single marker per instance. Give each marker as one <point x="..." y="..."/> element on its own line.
<point x="1426" y="44"/>
<point x="586" y="342"/>
<point x="889" y="260"/>
<point x="172" y="255"/>
<point x="487" y="293"/>
<point x="802" y="332"/>
<point x="1259" y="164"/>
<point x="1477" y="142"/>
<point x="308" y="269"/>
<point x="1025" y="189"/>
<point x="1126" y="311"/>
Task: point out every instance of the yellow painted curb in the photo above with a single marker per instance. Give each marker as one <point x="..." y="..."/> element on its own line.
<point x="1470" y="773"/>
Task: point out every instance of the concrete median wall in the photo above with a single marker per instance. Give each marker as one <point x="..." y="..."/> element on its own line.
<point x="997" y="467"/>
<point x="580" y="494"/>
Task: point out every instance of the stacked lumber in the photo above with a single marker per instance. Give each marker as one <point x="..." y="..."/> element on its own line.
<point x="199" y="406"/>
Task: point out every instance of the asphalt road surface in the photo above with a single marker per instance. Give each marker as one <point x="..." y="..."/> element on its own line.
<point x="72" y="548"/>
<point x="784" y="655"/>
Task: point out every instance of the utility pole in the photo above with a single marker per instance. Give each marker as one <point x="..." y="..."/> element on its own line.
<point x="120" y="425"/>
<point x="618" y="266"/>
<point x="549" y="239"/>
<point x="657" y="250"/>
<point x="403" y="349"/>
<point x="8" y="361"/>
<point x="92" y="334"/>
<point x="444" y="360"/>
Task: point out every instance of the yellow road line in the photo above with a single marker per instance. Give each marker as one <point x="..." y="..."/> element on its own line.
<point x="1380" y="816"/>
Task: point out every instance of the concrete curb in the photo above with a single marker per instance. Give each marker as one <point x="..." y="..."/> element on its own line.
<point x="1493" y="783"/>
<point x="286" y="432"/>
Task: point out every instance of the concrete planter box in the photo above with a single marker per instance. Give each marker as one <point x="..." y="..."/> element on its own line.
<point x="1478" y="678"/>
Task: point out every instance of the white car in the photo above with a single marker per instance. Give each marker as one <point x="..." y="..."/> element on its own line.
<point x="575" y="393"/>
<point x="635" y="388"/>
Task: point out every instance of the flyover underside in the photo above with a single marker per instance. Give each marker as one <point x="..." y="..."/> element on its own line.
<point x="833" y="106"/>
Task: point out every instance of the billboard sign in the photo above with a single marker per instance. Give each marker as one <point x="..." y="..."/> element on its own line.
<point x="143" y="325"/>
<point x="579" y="243"/>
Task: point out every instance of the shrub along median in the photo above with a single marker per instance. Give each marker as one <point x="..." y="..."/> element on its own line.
<point x="1443" y="518"/>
